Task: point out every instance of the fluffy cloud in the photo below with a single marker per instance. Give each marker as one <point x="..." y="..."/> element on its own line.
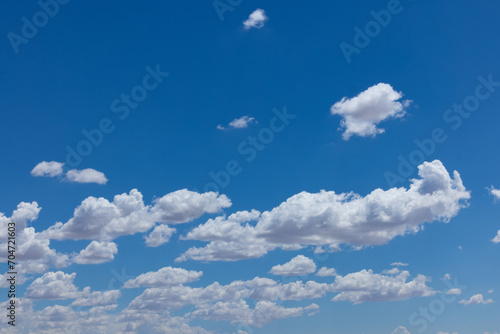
<point x="256" y="19"/>
<point x="97" y="298"/>
<point x="166" y="276"/>
<point x="298" y="266"/>
<point x="99" y="219"/>
<point x="160" y="235"/>
<point x="87" y="175"/>
<point x="53" y="285"/>
<point x="325" y="272"/>
<point x="48" y="169"/>
<point x="476" y="299"/>
<point x="362" y="114"/>
<point x="327" y="218"/>
<point x="97" y="252"/>
<point x="239" y="123"/>
<point x="365" y="286"/>
<point x="495" y="192"/>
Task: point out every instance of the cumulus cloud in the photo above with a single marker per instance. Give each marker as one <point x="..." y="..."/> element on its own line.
<point x="476" y="299"/>
<point x="48" y="169"/>
<point x="366" y="286"/>
<point x="53" y="285"/>
<point x="166" y="276"/>
<point x="87" y="175"/>
<point x="100" y="219"/>
<point x="97" y="252"/>
<point x="325" y="272"/>
<point x="298" y="266"/>
<point x="160" y="235"/>
<point x="54" y="168"/>
<point x="97" y="298"/>
<point x="239" y="123"/>
<point x="256" y="19"/>
<point x="362" y="113"/>
<point x="328" y="218"/>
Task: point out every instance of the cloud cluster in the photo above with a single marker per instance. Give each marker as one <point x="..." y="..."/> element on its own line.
<point x="328" y="218"/>
<point x="362" y="113"/>
<point x="54" y="168"/>
<point x="475" y="300"/>
<point x="102" y="220"/>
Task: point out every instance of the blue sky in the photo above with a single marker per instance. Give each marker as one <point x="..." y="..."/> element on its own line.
<point x="251" y="144"/>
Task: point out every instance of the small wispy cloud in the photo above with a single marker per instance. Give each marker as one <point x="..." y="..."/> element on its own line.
<point x="494" y="192"/>
<point x="256" y="19"/>
<point x="48" y="169"/>
<point x="238" y="123"/>
<point x="475" y="300"/>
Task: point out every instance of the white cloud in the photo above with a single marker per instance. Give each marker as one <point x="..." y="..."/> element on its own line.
<point x="97" y="252"/>
<point x="53" y="285"/>
<point x="491" y="291"/>
<point x="87" y="175"/>
<point x="454" y="291"/>
<point x="365" y="286"/>
<point x="327" y="218"/>
<point x="160" y="235"/>
<point x="362" y="114"/>
<point x="166" y="276"/>
<point x="495" y="192"/>
<point x="256" y="19"/>
<point x="239" y="123"/>
<point x="393" y="271"/>
<point x="399" y="264"/>
<point x="99" y="219"/>
<point x="400" y="330"/>
<point x="476" y="299"/>
<point x="447" y="277"/>
<point x="325" y="272"/>
<point x="496" y="239"/>
<point x="97" y="298"/>
<point x="48" y="169"/>
<point x="298" y="266"/>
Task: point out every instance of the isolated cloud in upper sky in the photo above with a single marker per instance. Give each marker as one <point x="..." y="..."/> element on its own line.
<point x="164" y="277"/>
<point x="399" y="264"/>
<point x="87" y="175"/>
<point x="256" y="19"/>
<point x="54" y="168"/>
<point x="362" y="113"/>
<point x="454" y="291"/>
<point x="299" y="265"/>
<point x="476" y="299"/>
<point x="239" y="123"/>
<point x="48" y="169"/>
<point x="328" y="218"/>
